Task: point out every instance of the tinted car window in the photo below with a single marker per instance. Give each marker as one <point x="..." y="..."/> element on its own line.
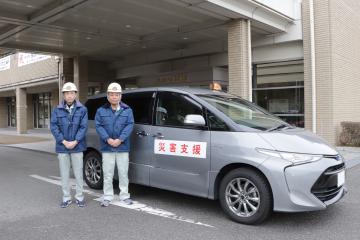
<point x="141" y="104"/>
<point x="215" y="123"/>
<point x="245" y="113"/>
<point x="92" y="106"/>
<point x="172" y="109"/>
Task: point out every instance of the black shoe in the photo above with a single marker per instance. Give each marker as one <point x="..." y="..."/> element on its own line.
<point x="65" y="204"/>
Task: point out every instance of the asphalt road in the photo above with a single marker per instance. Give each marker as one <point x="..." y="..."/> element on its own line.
<point x="29" y="209"/>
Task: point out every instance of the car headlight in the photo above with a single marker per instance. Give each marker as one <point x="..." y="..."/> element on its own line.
<point x="295" y="158"/>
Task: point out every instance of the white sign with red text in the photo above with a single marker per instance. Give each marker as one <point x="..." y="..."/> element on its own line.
<point x="5" y="63"/>
<point x="28" y="58"/>
<point x="180" y="148"/>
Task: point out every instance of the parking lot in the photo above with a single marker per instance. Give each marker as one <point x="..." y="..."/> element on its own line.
<point x="30" y="197"/>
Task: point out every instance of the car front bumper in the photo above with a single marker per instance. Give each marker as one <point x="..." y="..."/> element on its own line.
<point x="306" y="187"/>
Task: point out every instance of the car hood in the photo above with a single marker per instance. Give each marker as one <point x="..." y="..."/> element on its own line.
<point x="298" y="141"/>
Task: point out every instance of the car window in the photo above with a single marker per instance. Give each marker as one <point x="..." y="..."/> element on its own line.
<point x="172" y="108"/>
<point x="215" y="123"/>
<point x="141" y="103"/>
<point x="244" y="113"/>
<point x="93" y="104"/>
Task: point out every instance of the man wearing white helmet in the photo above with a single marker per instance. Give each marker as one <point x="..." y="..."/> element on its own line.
<point x="114" y="124"/>
<point x="68" y="126"/>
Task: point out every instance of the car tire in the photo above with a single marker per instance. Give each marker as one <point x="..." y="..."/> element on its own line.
<point x="92" y="170"/>
<point x="252" y="202"/>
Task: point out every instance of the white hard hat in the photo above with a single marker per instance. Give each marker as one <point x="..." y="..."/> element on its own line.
<point x="69" y="87"/>
<point x="114" y="87"/>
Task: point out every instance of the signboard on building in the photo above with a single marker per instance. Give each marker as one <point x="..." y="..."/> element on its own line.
<point x="5" y="63"/>
<point x="174" y="78"/>
<point x="28" y="58"/>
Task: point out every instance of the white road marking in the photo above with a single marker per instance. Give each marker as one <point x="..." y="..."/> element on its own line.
<point x="136" y="206"/>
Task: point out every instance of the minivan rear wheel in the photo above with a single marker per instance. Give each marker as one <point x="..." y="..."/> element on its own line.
<point x="245" y="196"/>
<point x="92" y="170"/>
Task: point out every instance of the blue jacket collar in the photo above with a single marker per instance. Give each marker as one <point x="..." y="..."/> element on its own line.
<point x="77" y="104"/>
<point x="122" y="105"/>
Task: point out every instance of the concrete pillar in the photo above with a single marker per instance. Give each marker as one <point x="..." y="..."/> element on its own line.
<point x="3" y="113"/>
<point x="81" y="77"/>
<point x="30" y="111"/>
<point x="319" y="71"/>
<point x="61" y="79"/>
<point x="66" y="74"/>
<point x="336" y="64"/>
<point x="54" y="98"/>
<point x="239" y="56"/>
<point x="21" y="110"/>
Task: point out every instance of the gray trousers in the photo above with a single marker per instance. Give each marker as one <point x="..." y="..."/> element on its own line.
<point x="76" y="160"/>
<point x="121" y="159"/>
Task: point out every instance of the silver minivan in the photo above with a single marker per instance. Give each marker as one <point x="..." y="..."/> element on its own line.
<point x="214" y="145"/>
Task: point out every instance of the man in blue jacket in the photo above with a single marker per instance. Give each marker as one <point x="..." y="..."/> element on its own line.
<point x="68" y="126"/>
<point x="114" y="124"/>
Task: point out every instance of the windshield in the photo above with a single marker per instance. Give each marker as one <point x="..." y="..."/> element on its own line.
<point x="245" y="113"/>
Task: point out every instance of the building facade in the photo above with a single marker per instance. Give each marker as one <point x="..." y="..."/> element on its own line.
<point x="299" y="59"/>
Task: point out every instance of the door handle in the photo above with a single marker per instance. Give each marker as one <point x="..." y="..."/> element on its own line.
<point x="142" y="134"/>
<point x="158" y="135"/>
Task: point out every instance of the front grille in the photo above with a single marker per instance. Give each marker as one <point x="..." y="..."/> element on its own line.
<point x="325" y="188"/>
<point x="327" y="194"/>
<point x="335" y="168"/>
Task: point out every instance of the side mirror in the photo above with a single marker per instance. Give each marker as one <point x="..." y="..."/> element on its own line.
<point x="194" y="120"/>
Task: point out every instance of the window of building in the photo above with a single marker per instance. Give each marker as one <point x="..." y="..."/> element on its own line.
<point x="279" y="88"/>
<point x="11" y="110"/>
<point x="42" y="110"/>
<point x="93" y="91"/>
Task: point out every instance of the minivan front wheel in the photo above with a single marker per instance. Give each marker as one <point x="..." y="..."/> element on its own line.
<point x="245" y="196"/>
<point x="92" y="170"/>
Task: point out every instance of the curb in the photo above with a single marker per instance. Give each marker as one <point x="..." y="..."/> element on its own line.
<point x="29" y="149"/>
<point x="349" y="149"/>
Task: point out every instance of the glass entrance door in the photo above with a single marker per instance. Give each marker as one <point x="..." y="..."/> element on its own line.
<point x="11" y="109"/>
<point x="42" y="110"/>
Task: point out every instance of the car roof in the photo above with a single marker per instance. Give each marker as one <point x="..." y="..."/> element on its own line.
<point x="191" y="90"/>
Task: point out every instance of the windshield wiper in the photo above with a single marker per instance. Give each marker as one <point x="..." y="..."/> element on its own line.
<point x="278" y="127"/>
